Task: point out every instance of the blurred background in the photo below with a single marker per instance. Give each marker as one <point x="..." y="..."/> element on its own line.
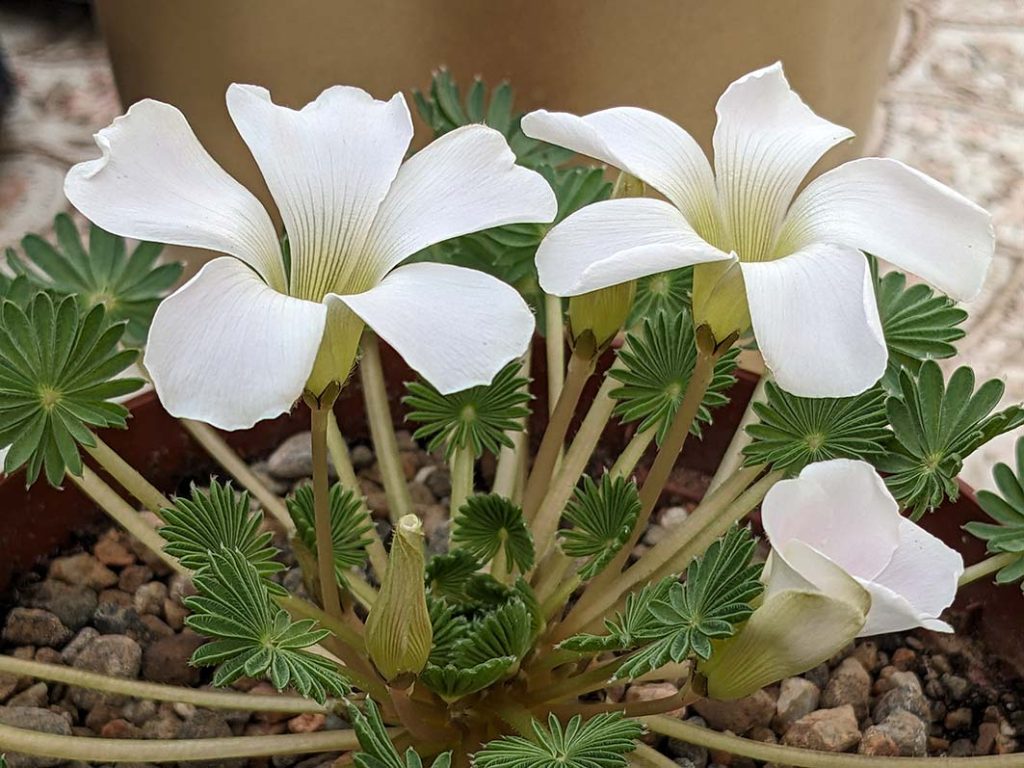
<point x="938" y="84"/>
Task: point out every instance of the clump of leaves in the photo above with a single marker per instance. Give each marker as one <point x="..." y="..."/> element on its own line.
<point x="669" y="292"/>
<point x="668" y="621"/>
<point x="487" y="524"/>
<point x="918" y="323"/>
<point x="378" y="748"/>
<point x="57" y="369"/>
<point x="659" y="358"/>
<point x="349" y="525"/>
<point x="254" y="637"/>
<point x="602" y="516"/>
<point x="214" y="519"/>
<point x="792" y="432"/>
<point x="476" y="419"/>
<point x="128" y="287"/>
<point x="1006" y="533"/>
<point x="601" y="742"/>
<point x="936" y="426"/>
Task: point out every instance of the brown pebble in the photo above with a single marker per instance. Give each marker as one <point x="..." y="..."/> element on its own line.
<point x="120" y="728"/>
<point x="112" y="552"/>
<point x="988" y="733"/>
<point x="133" y="577"/>
<point x="904" y="659"/>
<point x="307" y="723"/>
<point x="959" y="719"/>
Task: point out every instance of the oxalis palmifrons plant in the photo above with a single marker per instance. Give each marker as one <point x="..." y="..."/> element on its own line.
<point x="495" y="653"/>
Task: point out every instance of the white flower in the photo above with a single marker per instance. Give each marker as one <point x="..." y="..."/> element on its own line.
<point x="789" y="268"/>
<point x="242" y="339"/>
<point x="839" y="515"/>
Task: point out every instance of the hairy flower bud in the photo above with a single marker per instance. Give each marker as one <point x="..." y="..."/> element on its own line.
<point x="398" y="630"/>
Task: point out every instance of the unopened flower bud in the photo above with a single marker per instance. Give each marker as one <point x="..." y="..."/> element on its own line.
<point x="398" y="629"/>
<point x="601" y="313"/>
<point x="720" y="298"/>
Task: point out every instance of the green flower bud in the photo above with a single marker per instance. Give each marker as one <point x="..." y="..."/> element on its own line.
<point x="600" y="313"/>
<point x="720" y="298"/>
<point x="398" y="630"/>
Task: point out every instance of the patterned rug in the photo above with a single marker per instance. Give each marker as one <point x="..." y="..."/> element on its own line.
<point x="954" y="107"/>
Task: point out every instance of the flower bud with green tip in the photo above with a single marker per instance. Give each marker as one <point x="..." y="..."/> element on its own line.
<point x="398" y="629"/>
<point x="596" y="317"/>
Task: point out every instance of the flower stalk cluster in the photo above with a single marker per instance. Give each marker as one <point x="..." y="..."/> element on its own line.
<point x="488" y="650"/>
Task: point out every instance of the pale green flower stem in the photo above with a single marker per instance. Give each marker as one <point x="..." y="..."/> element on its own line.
<point x="581" y="366"/>
<point x="733" y="457"/>
<point x="218" y="449"/>
<point x="121" y="512"/>
<point x="554" y="347"/>
<point x="633" y="452"/>
<point x="807" y="758"/>
<point x="382" y="430"/>
<point x="78" y="678"/>
<point x="462" y="462"/>
<point x="342" y="461"/>
<point x="128" y="477"/>
<point x="99" y="750"/>
<point x="988" y="566"/>
<point x="329" y="594"/>
<point x="509" y="459"/>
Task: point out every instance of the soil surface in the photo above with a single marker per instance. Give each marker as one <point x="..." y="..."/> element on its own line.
<point x="107" y="605"/>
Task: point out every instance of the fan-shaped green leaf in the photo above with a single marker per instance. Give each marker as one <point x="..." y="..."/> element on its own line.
<point x="487" y="524"/>
<point x="793" y="432"/>
<point x="936" y="427"/>
<point x="668" y="292"/>
<point x="602" y="516"/>
<point x="128" y="287"/>
<point x="349" y="524"/>
<point x="601" y="742"/>
<point x="57" y="379"/>
<point x="449" y="575"/>
<point x="447" y="626"/>
<point x="659" y="358"/>
<point x="253" y="637"/>
<point x="630" y="627"/>
<point x="475" y="419"/>
<point x="452" y="682"/>
<point x="378" y="748"/>
<point x="504" y="631"/>
<point x="1006" y="533"/>
<point x="214" y="519"/>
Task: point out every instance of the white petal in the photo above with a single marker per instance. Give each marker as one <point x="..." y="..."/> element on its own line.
<point x="618" y="240"/>
<point x="328" y="166"/>
<point x="816" y="321"/>
<point x="643" y="144"/>
<point x="463" y="182"/>
<point x="156" y="182"/>
<point x="766" y="141"/>
<point x="842" y="509"/>
<point x="457" y="327"/>
<point x="799" y="566"/>
<point x="923" y="573"/>
<point x="227" y="349"/>
<point x="893" y="211"/>
<point x="891" y="612"/>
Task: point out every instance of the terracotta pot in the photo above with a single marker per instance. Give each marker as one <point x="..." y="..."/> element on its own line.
<point x="36" y="523"/>
<point x="672" y="56"/>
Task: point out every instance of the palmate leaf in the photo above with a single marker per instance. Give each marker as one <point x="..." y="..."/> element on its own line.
<point x="128" y="287"/>
<point x="252" y="636"/>
<point x="16" y="288"/>
<point x="1006" y="533"/>
<point x="447" y="627"/>
<point x="659" y="358"/>
<point x="936" y="426"/>
<point x="504" y="631"/>
<point x="919" y="324"/>
<point x="57" y="379"/>
<point x="448" y="575"/>
<point x="793" y="432"/>
<point x="487" y="524"/>
<point x="474" y="419"/>
<point x="349" y="525"/>
<point x="378" y="749"/>
<point x="452" y="682"/>
<point x="631" y="627"/>
<point x="214" y="519"/>
<point x="601" y="742"/>
<point x="602" y="516"/>
<point x="664" y="292"/>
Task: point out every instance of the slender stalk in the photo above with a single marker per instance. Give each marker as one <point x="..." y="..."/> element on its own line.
<point x="595" y="603"/>
<point x="462" y="478"/>
<point x="545" y="523"/>
<point x="809" y="758"/>
<point x="733" y="457"/>
<point x="987" y="567"/>
<point x="509" y="459"/>
<point x="342" y="460"/>
<point x="329" y="594"/>
<point x="633" y="452"/>
<point x="551" y="579"/>
<point x="232" y="463"/>
<point x="631" y="708"/>
<point x="517" y="716"/>
<point x="378" y="413"/>
<point x="128" y="477"/>
<point x="648" y="757"/>
<point x="98" y="750"/>
<point x="124" y="515"/>
<point x="78" y="678"/>
<point x="580" y="368"/>
<point x="554" y="347"/>
<point x="593" y="679"/>
<point x="361" y="589"/>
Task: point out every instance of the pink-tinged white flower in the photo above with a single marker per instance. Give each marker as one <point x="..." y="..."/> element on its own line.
<point x="788" y="265"/>
<point x="838" y="515"/>
<point x="243" y="339"/>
